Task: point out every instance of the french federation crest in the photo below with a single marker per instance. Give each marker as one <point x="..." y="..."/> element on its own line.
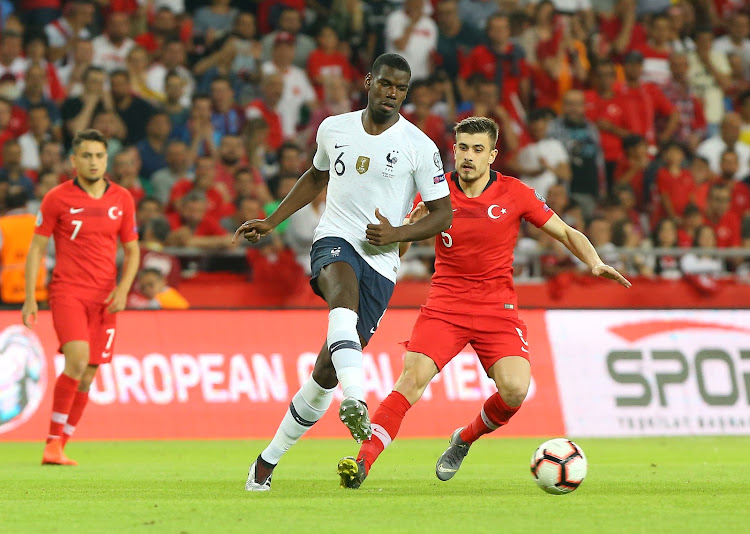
<point x="363" y="163"/>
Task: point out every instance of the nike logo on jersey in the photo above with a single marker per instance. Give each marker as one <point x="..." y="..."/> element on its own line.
<point x="524" y="349"/>
<point x="372" y="330"/>
<point x="445" y="470"/>
<point x="336" y="145"/>
<point x="76" y="210"/>
<point x="106" y="354"/>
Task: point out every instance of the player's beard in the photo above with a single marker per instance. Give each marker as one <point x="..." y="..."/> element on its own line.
<point x="473" y="174"/>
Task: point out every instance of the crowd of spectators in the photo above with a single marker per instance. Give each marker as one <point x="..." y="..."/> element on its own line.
<point x="632" y="117"/>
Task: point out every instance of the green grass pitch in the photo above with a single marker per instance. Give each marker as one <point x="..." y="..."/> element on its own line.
<point x="633" y="485"/>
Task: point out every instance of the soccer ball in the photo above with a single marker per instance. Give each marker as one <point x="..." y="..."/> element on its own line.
<point x="558" y="466"/>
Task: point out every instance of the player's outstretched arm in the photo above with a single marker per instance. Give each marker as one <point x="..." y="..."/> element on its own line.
<point x="579" y="245"/>
<point x="439" y="218"/>
<point x="304" y="191"/>
<point x="33" y="262"/>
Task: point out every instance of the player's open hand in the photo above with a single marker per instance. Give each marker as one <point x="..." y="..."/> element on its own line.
<point x="419" y="212"/>
<point x="253" y="230"/>
<point x="29" y="312"/>
<point x="605" y="271"/>
<point x="116" y="300"/>
<point x="382" y="233"/>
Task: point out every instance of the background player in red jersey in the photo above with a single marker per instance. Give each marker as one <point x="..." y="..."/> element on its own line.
<point x="86" y="216"/>
<point x="472" y="299"/>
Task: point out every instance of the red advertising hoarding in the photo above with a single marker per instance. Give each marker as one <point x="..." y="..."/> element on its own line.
<point x="232" y="374"/>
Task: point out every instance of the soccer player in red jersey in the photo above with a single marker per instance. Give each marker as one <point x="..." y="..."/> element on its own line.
<point x="86" y="216"/>
<point x="472" y="300"/>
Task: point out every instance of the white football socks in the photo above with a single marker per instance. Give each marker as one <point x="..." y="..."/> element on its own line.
<point x="307" y="407"/>
<point x="346" y="351"/>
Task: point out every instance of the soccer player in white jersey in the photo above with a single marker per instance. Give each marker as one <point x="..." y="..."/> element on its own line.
<point x="374" y="162"/>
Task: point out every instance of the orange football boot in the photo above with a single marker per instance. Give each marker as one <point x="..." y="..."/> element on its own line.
<point x="54" y="455"/>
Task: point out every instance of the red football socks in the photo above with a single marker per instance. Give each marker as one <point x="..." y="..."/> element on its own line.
<point x="385" y="425"/>
<point x="76" y="411"/>
<point x="495" y="413"/>
<point x="62" y="400"/>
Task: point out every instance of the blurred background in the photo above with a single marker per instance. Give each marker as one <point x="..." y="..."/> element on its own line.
<point x="631" y="117"/>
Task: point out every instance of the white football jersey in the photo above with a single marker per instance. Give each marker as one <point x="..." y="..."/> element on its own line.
<point x="374" y="171"/>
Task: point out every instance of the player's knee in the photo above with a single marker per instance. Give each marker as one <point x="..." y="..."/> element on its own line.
<point x="513" y="390"/>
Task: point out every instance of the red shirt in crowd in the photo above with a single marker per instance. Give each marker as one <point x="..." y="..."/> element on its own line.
<point x="216" y="207"/>
<point x="332" y="65"/>
<point x="727" y="230"/>
<point x="740" y="197"/>
<point x="679" y="188"/>
<point x="481" y="60"/>
<point x="636" y="181"/>
<point x="257" y="108"/>
<point x="608" y="109"/>
<point x="209" y="226"/>
<point x="641" y="105"/>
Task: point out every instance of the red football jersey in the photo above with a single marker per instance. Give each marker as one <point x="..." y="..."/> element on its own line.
<point x="474" y="257"/>
<point x="86" y="231"/>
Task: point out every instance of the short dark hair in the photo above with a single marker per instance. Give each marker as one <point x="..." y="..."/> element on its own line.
<point x="479" y="125"/>
<point x="288" y="145"/>
<point x="146" y="200"/>
<point x="120" y="72"/>
<point x="89" y="135"/>
<point x="89" y="70"/>
<point x="390" y="60"/>
<point x="631" y="141"/>
<point x="159" y="227"/>
<point x="16" y="198"/>
<point x="39" y="105"/>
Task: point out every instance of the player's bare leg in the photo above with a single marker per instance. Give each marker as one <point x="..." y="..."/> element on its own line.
<point x="307" y="407"/>
<point x="79" y="402"/>
<point x="339" y="285"/>
<point x="416" y="375"/>
<point x="76" y="362"/>
<point x="512" y="376"/>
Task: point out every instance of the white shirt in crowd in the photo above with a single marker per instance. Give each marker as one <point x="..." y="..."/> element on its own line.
<point x="530" y="156"/>
<point x="17" y="68"/>
<point x="300" y="232"/>
<point x="108" y="56"/>
<point x="29" y="151"/>
<point x="422" y="41"/>
<point x="725" y="45"/>
<point x="297" y="91"/>
<point x="59" y="32"/>
<point x="705" y="85"/>
<point x="694" y="264"/>
<point x="369" y="172"/>
<point x="712" y="149"/>
<point x="176" y="6"/>
<point x="156" y="77"/>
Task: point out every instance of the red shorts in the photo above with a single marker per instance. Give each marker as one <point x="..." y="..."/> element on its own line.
<point x="85" y="320"/>
<point x="441" y="335"/>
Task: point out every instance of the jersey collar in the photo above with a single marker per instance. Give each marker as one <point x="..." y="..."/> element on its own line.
<point x="78" y="185"/>
<point x="493" y="178"/>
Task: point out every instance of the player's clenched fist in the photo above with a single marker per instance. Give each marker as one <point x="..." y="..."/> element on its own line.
<point x="382" y="233"/>
<point x="253" y="230"/>
<point x="29" y="312"/>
